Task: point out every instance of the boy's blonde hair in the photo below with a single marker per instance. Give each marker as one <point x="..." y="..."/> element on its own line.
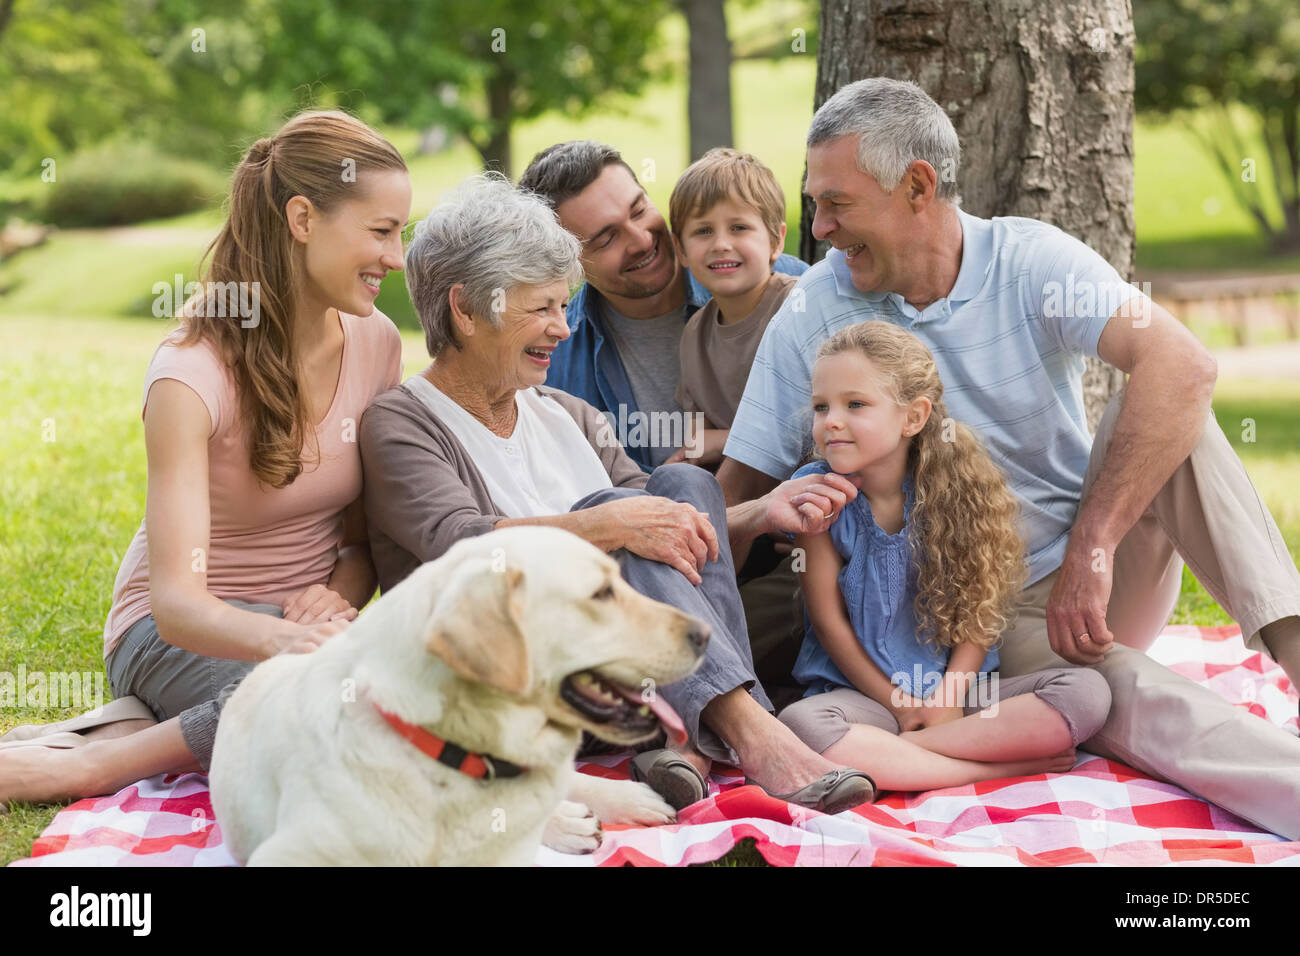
<point x="725" y="173"/>
<point x="969" y="555"/>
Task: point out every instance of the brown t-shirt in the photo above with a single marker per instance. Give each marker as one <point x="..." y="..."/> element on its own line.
<point x="423" y="493"/>
<point x="715" y="358"/>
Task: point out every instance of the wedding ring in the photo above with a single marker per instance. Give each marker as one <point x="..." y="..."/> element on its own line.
<point x="1084" y="638"/>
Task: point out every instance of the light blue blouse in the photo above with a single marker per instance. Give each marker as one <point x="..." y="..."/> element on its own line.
<point x="878" y="582"/>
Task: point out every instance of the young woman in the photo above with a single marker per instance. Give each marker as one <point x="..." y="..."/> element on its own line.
<point x="253" y="542"/>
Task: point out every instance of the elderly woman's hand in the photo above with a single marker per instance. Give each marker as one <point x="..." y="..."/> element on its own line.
<point x="663" y="530"/>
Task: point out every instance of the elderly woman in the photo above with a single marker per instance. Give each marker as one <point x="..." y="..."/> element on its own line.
<point x="475" y="442"/>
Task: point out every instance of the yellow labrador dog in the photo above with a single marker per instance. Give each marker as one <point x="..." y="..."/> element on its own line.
<point x="441" y="726"/>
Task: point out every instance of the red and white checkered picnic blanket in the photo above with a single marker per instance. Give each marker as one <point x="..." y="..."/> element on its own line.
<point x="1101" y="812"/>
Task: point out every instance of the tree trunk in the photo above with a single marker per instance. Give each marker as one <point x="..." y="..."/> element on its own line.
<point x="496" y="151"/>
<point x="1041" y="95"/>
<point x="709" y="99"/>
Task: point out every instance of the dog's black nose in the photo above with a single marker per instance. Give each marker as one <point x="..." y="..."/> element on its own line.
<point x="698" y="636"/>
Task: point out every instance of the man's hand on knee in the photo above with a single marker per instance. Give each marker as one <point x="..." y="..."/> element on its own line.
<point x="1076" y="608"/>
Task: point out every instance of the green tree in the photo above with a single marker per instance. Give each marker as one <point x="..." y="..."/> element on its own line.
<point x="475" y="68"/>
<point x="201" y="79"/>
<point x="77" y="72"/>
<point x="1197" y="58"/>
<point x="70" y="75"/>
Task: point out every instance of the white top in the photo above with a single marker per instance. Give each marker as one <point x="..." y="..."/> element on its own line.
<point x="543" y="468"/>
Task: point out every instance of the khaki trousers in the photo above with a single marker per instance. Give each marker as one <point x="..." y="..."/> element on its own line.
<point x="1209" y="515"/>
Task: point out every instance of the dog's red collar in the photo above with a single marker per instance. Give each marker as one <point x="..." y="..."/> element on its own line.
<point x="479" y="766"/>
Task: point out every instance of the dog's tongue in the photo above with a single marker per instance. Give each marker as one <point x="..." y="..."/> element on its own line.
<point x="674" y="729"/>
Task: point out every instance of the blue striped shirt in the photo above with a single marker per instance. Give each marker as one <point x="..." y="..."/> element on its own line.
<point x="1009" y="340"/>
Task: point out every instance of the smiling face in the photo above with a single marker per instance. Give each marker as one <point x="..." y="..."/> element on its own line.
<point x="728" y="248"/>
<point x="349" y="249"/>
<point x="873" y="227"/>
<point x="627" y="251"/>
<point x="518" y="354"/>
<point x="856" y="421"/>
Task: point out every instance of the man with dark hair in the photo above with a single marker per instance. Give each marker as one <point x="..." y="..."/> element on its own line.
<point x="623" y="354"/>
<point x="626" y="321"/>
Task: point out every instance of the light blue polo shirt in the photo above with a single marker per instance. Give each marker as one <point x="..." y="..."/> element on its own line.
<point x="1029" y="303"/>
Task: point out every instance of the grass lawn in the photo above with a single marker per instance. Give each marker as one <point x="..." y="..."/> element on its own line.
<point x="73" y="488"/>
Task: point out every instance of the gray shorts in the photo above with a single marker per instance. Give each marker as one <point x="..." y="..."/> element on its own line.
<point x="1079" y="694"/>
<point x="174" y="682"/>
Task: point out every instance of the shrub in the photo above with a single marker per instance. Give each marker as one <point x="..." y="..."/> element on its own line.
<point x="122" y="183"/>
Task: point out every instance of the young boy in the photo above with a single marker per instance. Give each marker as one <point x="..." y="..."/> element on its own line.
<point x="728" y="224"/>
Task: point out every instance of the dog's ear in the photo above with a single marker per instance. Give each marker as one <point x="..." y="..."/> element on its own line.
<point x="475" y="628"/>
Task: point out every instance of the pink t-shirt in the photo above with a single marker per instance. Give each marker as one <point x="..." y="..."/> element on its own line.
<point x="267" y="543"/>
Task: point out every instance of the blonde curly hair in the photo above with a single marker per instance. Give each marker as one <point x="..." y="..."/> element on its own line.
<point x="969" y="554"/>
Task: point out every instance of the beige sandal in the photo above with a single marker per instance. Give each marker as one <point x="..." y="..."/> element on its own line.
<point x="115" y="711"/>
<point x="65" y="740"/>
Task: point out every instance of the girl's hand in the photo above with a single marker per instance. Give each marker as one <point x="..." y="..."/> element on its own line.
<point x="909" y="711"/>
<point x="316" y="604"/>
<point x="935" y="715"/>
<point x="306" y="639"/>
<point x="808" y="505"/>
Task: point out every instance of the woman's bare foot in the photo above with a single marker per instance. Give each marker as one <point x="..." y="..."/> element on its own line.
<point x="42" y="775"/>
<point x="47" y="775"/>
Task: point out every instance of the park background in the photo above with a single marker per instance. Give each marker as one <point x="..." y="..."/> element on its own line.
<point x="120" y="121"/>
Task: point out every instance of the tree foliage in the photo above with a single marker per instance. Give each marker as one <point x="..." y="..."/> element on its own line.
<point x="201" y="78"/>
<point x="1207" y="55"/>
<point x="476" y="68"/>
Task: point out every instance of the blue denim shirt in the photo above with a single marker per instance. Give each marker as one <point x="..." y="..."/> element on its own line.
<point x="878" y="582"/>
<point x="587" y="363"/>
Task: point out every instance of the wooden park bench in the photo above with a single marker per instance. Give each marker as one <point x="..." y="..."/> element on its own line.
<point x="1239" y="301"/>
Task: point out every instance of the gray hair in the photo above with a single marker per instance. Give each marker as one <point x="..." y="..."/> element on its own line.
<point x="490" y="237"/>
<point x="896" y="124"/>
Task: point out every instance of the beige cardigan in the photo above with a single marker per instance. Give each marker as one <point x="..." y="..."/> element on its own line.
<point x="423" y="493"/>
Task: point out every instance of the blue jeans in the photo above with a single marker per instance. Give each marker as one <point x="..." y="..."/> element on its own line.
<point x="728" y="662"/>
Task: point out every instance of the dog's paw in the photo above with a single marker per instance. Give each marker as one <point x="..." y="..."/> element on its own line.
<point x="573" y="828"/>
<point x="622" y="801"/>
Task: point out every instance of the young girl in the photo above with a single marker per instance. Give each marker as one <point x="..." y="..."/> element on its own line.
<point x="908" y="591"/>
<point x="254" y="542"/>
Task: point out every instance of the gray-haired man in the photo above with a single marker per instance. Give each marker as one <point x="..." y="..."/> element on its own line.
<point x="1010" y="307"/>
